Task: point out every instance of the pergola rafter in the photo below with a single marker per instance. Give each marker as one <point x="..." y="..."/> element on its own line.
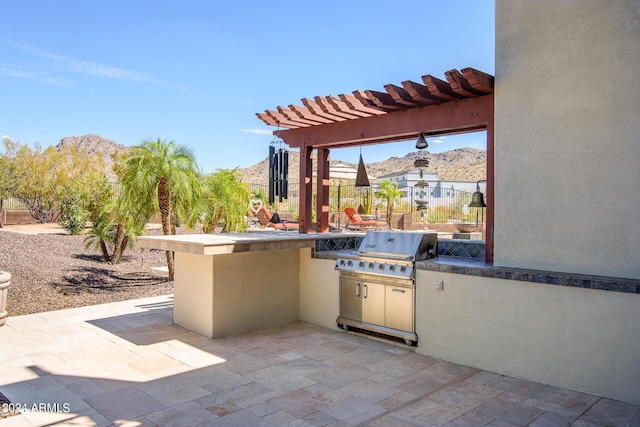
<point x="316" y="110"/>
<point x="467" y="83"/>
<point x="463" y="103"/>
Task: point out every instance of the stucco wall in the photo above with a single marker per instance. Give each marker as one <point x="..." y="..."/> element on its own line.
<point x="582" y="339"/>
<point x="567" y="136"/>
<point x="319" y="290"/>
<point x="257" y="289"/>
<point x="193" y="293"/>
<point x="228" y="294"/>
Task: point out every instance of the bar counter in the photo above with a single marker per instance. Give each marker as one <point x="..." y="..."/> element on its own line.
<point x="232" y="283"/>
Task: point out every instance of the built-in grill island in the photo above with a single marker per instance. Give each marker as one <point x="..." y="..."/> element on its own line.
<point x="377" y="283"/>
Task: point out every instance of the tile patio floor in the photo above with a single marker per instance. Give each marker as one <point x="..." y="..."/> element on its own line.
<point x="125" y="364"/>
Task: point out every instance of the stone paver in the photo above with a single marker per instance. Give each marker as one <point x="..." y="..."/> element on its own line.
<point x="125" y="364"/>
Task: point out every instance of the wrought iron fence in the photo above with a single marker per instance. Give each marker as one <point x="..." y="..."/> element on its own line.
<point x="13" y="204"/>
<point x="444" y="205"/>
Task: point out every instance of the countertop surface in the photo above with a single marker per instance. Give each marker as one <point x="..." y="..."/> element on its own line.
<point x="224" y="243"/>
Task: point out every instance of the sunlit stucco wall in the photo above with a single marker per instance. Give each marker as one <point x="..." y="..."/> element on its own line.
<point x="319" y="290"/>
<point x="229" y="294"/>
<point x="581" y="339"/>
<point x="567" y="136"/>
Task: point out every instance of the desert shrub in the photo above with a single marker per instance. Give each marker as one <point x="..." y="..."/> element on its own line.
<point x="38" y="177"/>
<point x="74" y="217"/>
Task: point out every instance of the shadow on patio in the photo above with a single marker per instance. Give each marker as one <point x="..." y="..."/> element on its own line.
<point x="126" y="364"/>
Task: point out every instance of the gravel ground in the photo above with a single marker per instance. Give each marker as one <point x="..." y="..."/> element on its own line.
<point x="56" y="271"/>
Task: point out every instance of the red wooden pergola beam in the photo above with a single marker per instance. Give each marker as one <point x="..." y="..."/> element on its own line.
<point x="384" y="100"/>
<point x="421" y="93"/>
<point x="304" y="113"/>
<point x="325" y="110"/>
<point x="267" y="119"/>
<point x="292" y="116"/>
<point x="465" y="115"/>
<point x="322" y="200"/>
<point x="460" y="85"/>
<point x="357" y="105"/>
<point x="364" y="100"/>
<point x="315" y="108"/>
<point x="306" y="188"/>
<point x="340" y="105"/>
<point x="402" y="96"/>
<point x="284" y="121"/>
<point x="440" y="88"/>
<point x="327" y="107"/>
<point x="479" y="80"/>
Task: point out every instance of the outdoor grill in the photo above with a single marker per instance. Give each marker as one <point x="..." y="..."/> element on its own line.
<point x="377" y="283"/>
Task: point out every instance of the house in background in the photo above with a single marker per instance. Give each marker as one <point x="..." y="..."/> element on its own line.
<point x="436" y="189"/>
<point x="409" y="178"/>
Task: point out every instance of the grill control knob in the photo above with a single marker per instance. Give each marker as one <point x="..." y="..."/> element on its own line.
<point x="370" y="266"/>
<point x="349" y="263"/>
<point x="392" y="268"/>
<point x="381" y="267"/>
<point x="361" y="264"/>
<point x="342" y="262"/>
<point x="403" y="269"/>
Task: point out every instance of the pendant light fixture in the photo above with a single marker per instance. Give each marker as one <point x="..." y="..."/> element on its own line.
<point x="421" y="143"/>
<point x="362" y="180"/>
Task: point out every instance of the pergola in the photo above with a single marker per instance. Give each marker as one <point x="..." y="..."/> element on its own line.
<point x="463" y="103"/>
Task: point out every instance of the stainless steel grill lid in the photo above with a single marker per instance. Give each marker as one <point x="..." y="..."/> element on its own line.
<point x="406" y="245"/>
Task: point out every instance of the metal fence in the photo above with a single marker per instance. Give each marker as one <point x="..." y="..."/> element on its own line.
<point x="13" y="204"/>
<point x="444" y="205"/>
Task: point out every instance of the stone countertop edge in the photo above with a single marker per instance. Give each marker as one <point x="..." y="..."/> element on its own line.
<point x="471" y="267"/>
<point x="227" y="243"/>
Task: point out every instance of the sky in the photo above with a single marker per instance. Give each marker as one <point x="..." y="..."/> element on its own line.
<point x="197" y="72"/>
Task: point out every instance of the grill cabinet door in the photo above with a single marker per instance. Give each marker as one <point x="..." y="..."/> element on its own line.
<point x="399" y="309"/>
<point x="350" y="299"/>
<point x="373" y="303"/>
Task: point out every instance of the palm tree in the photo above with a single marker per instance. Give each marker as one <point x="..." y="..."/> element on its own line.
<point x="224" y="198"/>
<point x="166" y="173"/>
<point x="389" y="192"/>
<point x="116" y="223"/>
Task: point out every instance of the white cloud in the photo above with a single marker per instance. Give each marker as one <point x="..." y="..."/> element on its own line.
<point x="82" y="66"/>
<point x="437" y="141"/>
<point x="20" y="74"/>
<point x="258" y="131"/>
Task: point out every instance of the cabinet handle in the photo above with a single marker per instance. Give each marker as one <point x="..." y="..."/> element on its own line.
<point x="398" y="290"/>
<point x="366" y="291"/>
<point x="358" y="290"/>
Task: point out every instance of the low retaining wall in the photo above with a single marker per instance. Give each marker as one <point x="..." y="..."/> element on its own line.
<point x="16" y="217"/>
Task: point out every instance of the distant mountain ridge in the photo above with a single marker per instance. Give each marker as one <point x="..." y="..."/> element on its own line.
<point x="462" y="164"/>
<point x="95" y="144"/>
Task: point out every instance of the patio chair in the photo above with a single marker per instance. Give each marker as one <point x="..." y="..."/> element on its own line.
<point x="356" y="221"/>
<point x="267" y="220"/>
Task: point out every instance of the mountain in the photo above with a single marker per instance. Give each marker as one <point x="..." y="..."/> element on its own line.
<point x="95" y="144"/>
<point x="462" y="164"/>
